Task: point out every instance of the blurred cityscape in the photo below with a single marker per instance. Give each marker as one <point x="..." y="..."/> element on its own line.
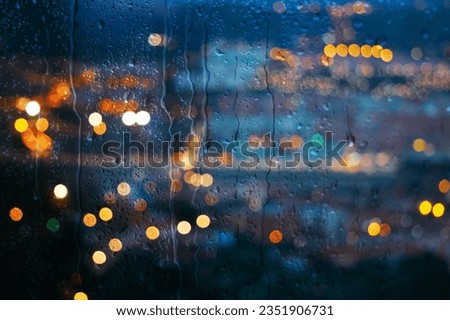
<point x="76" y="75"/>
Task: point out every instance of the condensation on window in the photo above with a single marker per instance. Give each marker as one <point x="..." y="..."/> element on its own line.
<point x="207" y="149"/>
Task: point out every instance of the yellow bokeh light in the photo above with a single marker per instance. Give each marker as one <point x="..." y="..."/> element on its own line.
<point x="99" y="257"/>
<point x="444" y="186"/>
<point x="187" y="176"/>
<point x="21" y="125"/>
<point x="354" y="50"/>
<point x="154" y="39"/>
<point x="206" y="180"/>
<point x="184" y="227"/>
<point x="15" y="214"/>
<point x="60" y="191"/>
<point x="63" y="89"/>
<point x="33" y="108"/>
<point x="95" y="119"/>
<point x="80" y="296"/>
<point x="152" y="233"/>
<point x="203" y="221"/>
<point x="196" y="180"/>
<point x="353" y="159"/>
<point x="89" y="220"/>
<point x="366" y="51"/>
<point x="100" y="129"/>
<point x="438" y="210"/>
<point x="386" y="55"/>
<point x="373" y="229"/>
<point x="42" y="124"/>
<point x="342" y="50"/>
<point x="123" y="189"/>
<point x="36" y="143"/>
<point x="105" y="214"/>
<point x="419" y="145"/>
<point x="115" y="245"/>
<point x="425" y="207"/>
<point x="376" y="51"/>
<point x="329" y="50"/>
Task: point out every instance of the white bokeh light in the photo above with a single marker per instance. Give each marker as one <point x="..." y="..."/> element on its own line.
<point x="60" y="191"/>
<point x="33" y="108"/>
<point x="142" y="118"/>
<point x="95" y="119"/>
<point x="129" y="118"/>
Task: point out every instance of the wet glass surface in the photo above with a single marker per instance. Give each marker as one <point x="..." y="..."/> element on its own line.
<point x="224" y="149"/>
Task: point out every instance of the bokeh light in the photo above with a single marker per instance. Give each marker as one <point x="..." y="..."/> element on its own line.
<point x="425" y="207"/>
<point x="21" y="125"/>
<point x="42" y="124"/>
<point x="109" y="131"/>
<point x="329" y="50"/>
<point x="419" y="145"/>
<point x="438" y="210"/>
<point x="342" y="50"/>
<point x="80" y="296"/>
<point x="53" y="225"/>
<point x="105" y="214"/>
<point x="33" y="108"/>
<point x="89" y="220"/>
<point x="387" y="55"/>
<point x="99" y="257"/>
<point x="444" y="186"/>
<point x="184" y="227"/>
<point x="385" y="229"/>
<point x="366" y="51"/>
<point x="276" y="236"/>
<point x="115" y="245"/>
<point x="100" y="129"/>
<point x="373" y="229"/>
<point x="21" y="103"/>
<point x="60" y="191"/>
<point x="95" y="119"/>
<point x="154" y="39"/>
<point x="16" y="214"/>
<point x="152" y="233"/>
<point x="129" y="118"/>
<point x="354" y="50"/>
<point x="123" y="189"/>
<point x="203" y="221"/>
<point x="142" y="118"/>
